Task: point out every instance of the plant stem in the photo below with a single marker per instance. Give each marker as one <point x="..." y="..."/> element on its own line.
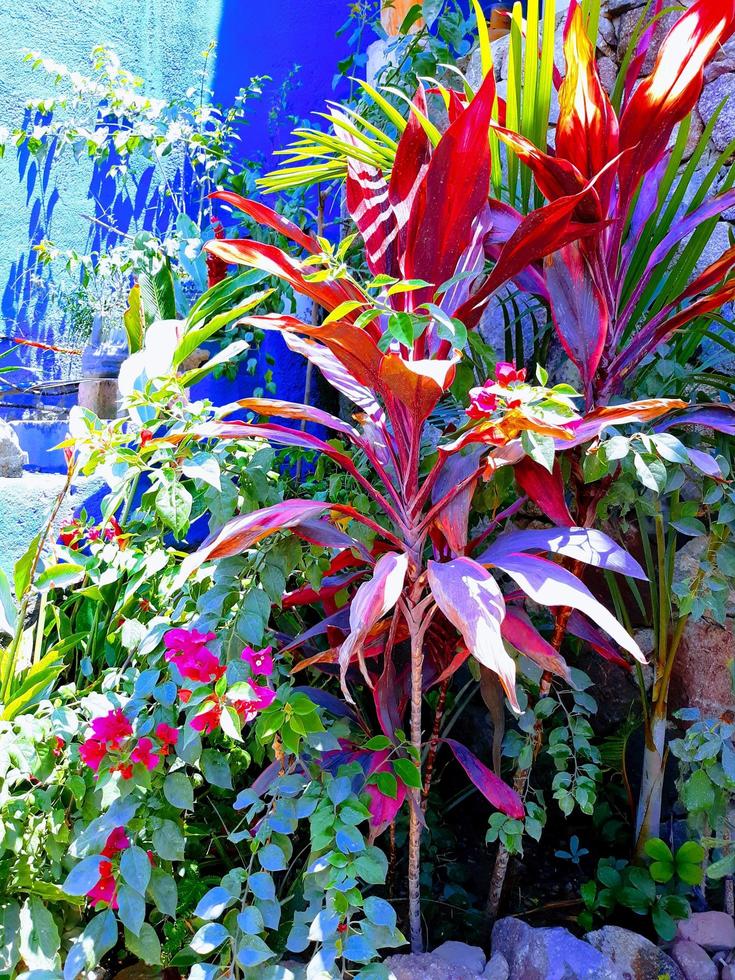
<point x="414" y="813"/>
<point x="434" y="742"/>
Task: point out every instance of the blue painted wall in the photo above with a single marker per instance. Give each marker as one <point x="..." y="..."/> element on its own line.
<point x="162" y="41"/>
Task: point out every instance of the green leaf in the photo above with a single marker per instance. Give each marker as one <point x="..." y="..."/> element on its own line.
<point x="178" y="791"/>
<point x="163" y="891"/>
<point x="387" y="784"/>
<point x="173" y="504"/>
<point x="22" y="569"/>
<point x="697" y="792"/>
<point x="131" y="908"/>
<point x="135" y="868"/>
<point x="658" y="850"/>
<point x="724" y="866"/>
<point x="208" y="938"/>
<point x="664" y="924"/>
<point x="97" y="937"/>
<point x="407" y="773"/>
<point x="39" y="936"/>
<point x="168" y="842"/>
<point x="8" y="612"/>
<point x="133" y="321"/>
<point x="216" y="768"/>
<point x="146" y="946"/>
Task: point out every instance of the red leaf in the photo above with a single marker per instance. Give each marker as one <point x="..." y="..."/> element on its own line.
<point x="578" y="308"/>
<point x="543" y="231"/>
<point x="579" y="626"/>
<point x="672" y="88"/>
<point x="293" y="410"/>
<point x="492" y="787"/>
<point x="366" y="194"/>
<point x="409" y="168"/>
<point x="451" y="194"/>
<point x="272" y="219"/>
<point x="594" y="422"/>
<point x="275" y="262"/>
<point x="471" y="600"/>
<point x="545" y="489"/>
<point x="520" y="632"/>
<point x="587" y="129"/>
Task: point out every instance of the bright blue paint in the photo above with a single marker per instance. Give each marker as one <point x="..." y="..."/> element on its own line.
<point x="162" y="43"/>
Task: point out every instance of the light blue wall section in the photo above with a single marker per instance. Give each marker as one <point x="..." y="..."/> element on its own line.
<point x="161" y="40"/>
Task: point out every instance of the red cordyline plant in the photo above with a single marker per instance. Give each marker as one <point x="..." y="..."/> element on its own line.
<point x="426" y="595"/>
<point x="606" y="290"/>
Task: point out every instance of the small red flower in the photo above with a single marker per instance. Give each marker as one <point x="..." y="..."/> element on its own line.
<point x="59" y="744"/>
<point x="184" y="695"/>
<point x="92" y="752"/>
<point x="145" y="437"/>
<point x="264" y="698"/>
<point x="105" y="890"/>
<point x="142" y="753"/>
<point x="117" y="841"/>
<point x="167" y="736"/>
<point x="207" y="721"/>
<point x="506" y="373"/>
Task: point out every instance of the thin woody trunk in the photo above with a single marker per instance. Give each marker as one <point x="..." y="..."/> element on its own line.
<point x="414" y="811"/>
<point x="648" y="816"/>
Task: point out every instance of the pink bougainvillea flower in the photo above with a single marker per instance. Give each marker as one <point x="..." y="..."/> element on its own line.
<point x="105" y="890"/>
<point x="184" y="695"/>
<point x="167" y="736"/>
<point x="117" y="841"/>
<point x="482" y="401"/>
<point x="92" y="752"/>
<point x="186" y="641"/>
<point x="142" y="753"/>
<point x="264" y="697"/>
<point x="112" y="728"/>
<point x="94" y="534"/>
<point x="208" y="720"/>
<point x="259" y="661"/>
<point x="507" y="373"/>
<point x="200" y="665"/>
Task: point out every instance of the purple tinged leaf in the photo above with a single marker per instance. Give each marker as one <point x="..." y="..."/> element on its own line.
<point x="326" y="535"/>
<point x="453" y="519"/>
<point x="704" y="463"/>
<point x="581" y="544"/>
<point x="551" y="585"/>
<point x="721" y="418"/>
<point x="578" y="308"/>
<point x="329" y="702"/>
<point x="370" y="603"/>
<point x="492" y="787"/>
<point x="471" y="600"/>
<point x="339" y="620"/>
<point x="518" y="630"/>
<point x="579" y="626"/>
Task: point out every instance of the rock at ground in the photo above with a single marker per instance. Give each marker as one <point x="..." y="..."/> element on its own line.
<point x="627" y="25"/>
<point x="721" y="88"/>
<point x="617" y="7"/>
<point x="701" y="676"/>
<point x="12" y="457"/>
<point x="549" y="954"/>
<point x="712" y="930"/>
<point x="634" y="957"/>
<point x="727" y="971"/>
<point x="460" y="954"/>
<point x="426" y="966"/>
<point x="694" y="962"/>
<point x="497" y="968"/>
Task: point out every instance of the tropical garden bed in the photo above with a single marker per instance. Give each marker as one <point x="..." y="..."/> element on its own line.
<point x="419" y="657"/>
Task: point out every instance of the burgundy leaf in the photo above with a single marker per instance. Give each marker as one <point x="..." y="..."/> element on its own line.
<point x="492" y="787"/>
<point x="451" y="194"/>
<point x="409" y="168"/>
<point x="518" y="630"/>
<point x="453" y="518"/>
<point x="366" y="194"/>
<point x="721" y="418"/>
<point x="292" y="410"/>
<point x="471" y="600"/>
<point x="578" y="308"/>
<point x="545" y="489"/>
<point x="579" y="626"/>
